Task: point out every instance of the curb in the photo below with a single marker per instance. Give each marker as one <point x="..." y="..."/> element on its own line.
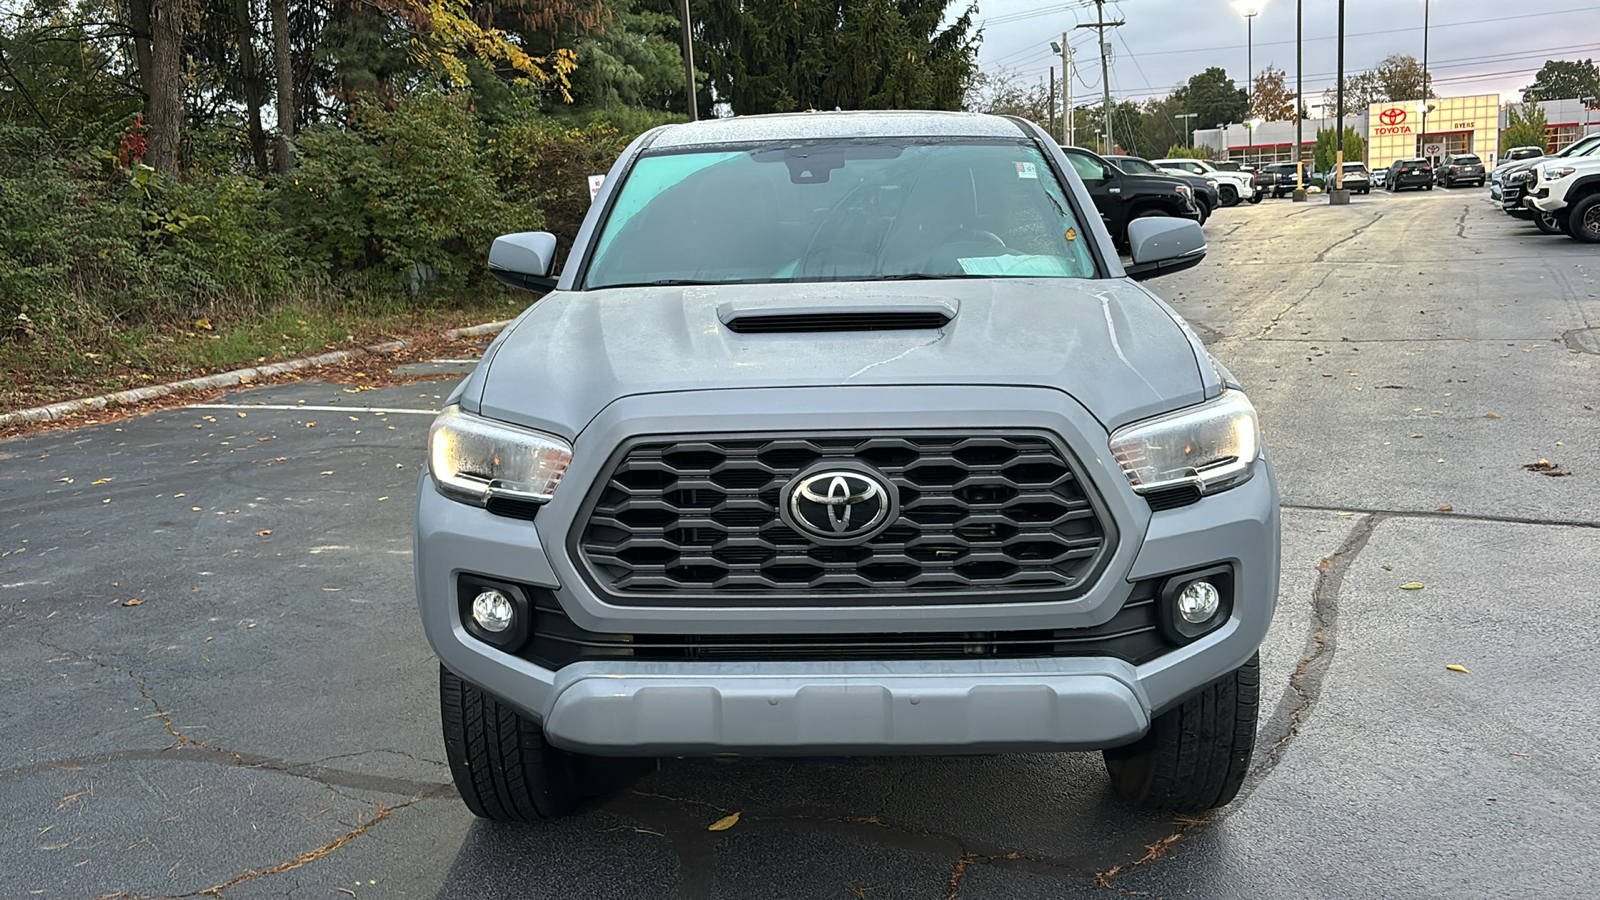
<point x="222" y="379"/>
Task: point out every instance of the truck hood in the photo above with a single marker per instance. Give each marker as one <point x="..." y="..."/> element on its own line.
<point x="1110" y="344"/>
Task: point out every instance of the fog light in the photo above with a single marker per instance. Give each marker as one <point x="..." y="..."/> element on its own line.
<point x="492" y="610"/>
<point x="1197" y="602"/>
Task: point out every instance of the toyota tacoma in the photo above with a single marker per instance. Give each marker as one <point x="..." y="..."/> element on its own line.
<point x="845" y="434"/>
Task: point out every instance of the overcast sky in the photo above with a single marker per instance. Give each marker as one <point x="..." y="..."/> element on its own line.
<point x="1474" y="46"/>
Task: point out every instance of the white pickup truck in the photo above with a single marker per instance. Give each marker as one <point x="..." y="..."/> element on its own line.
<point x="1232" y="186"/>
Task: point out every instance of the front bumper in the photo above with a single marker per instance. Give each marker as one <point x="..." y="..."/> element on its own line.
<point x="778" y="707"/>
<point x="1540" y="197"/>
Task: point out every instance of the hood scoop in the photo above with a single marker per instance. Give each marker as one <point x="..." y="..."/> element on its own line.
<point x="823" y="316"/>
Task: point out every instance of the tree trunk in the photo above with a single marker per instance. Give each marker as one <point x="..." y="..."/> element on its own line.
<point x="164" y="108"/>
<point x="280" y="53"/>
<point x="251" y="78"/>
<point x="139" y="24"/>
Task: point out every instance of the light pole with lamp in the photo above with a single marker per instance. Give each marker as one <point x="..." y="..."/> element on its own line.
<point x="1249" y="11"/>
<point x="1299" y="104"/>
<point x="1339" y="196"/>
<point x="1188" y="133"/>
<point x="1426" y="6"/>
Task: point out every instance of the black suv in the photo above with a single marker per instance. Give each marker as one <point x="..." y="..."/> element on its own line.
<point x="1404" y="173"/>
<point x="1460" y="168"/>
<point x="1122" y="197"/>
<point x="1207" y="195"/>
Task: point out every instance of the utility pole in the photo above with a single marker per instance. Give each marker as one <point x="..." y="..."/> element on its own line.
<point x="1299" y="104"/>
<point x="688" y="62"/>
<point x="1051" y="108"/>
<point x="1339" y="196"/>
<point x="1105" y="72"/>
<point x="1069" y="131"/>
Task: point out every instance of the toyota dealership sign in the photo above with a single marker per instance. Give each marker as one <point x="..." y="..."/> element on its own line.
<point x="1392" y="121"/>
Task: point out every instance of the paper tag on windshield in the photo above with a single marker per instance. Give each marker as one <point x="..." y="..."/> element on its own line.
<point x="1027" y="170"/>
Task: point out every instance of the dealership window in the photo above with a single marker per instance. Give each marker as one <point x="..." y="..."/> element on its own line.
<point x="1561" y="137"/>
<point x="1451" y="142"/>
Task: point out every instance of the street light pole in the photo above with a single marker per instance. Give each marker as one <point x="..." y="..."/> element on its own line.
<point x="1426" y="6"/>
<point x="1188" y="131"/>
<point x="1299" y="104"/>
<point x="1249" y="11"/>
<point x="1339" y="196"/>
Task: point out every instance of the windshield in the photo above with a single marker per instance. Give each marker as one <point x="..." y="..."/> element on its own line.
<point x="840" y="211"/>
<point x="1135" y="166"/>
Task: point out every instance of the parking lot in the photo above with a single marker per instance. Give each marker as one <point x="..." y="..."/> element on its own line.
<point x="214" y="682"/>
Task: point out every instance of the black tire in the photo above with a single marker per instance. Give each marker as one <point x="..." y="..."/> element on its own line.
<point x="504" y="769"/>
<point x="1195" y="756"/>
<point x="1205" y="212"/>
<point x="1584" y="220"/>
<point x="1563" y="219"/>
<point x="1547" y="223"/>
<point x="1229" y="194"/>
<point x="1430" y="187"/>
<point x="1256" y="197"/>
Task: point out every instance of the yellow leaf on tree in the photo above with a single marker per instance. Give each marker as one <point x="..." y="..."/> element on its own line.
<point x="724" y="823"/>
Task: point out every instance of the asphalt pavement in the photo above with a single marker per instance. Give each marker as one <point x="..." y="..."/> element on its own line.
<point x="213" y="681"/>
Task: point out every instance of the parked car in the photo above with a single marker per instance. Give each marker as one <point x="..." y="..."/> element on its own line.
<point x="1515" y="179"/>
<point x="1206" y="195"/>
<point x="1512" y="159"/>
<point x="1284" y="179"/>
<point x="1380" y="177"/>
<point x="1232" y="184"/>
<point x="1568" y="190"/>
<point x="1357" y="179"/>
<point x="1404" y="173"/>
<point x="1460" y="168"/>
<point x="845" y="434"/>
<point x="1122" y="197"/>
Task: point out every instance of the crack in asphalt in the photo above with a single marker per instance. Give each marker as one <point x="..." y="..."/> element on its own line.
<point x="1436" y="514"/>
<point x="1461" y="223"/>
<point x="1322" y="254"/>
<point x="1305" y="684"/>
<point x="308" y="857"/>
<point x="1273" y="322"/>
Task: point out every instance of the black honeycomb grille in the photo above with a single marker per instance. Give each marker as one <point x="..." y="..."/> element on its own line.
<point x="994" y="515"/>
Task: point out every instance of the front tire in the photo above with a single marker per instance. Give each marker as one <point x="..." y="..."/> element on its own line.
<point x="1195" y="756"/>
<point x="1547" y="223"/>
<point x="1230" y="195"/>
<point x="504" y="768"/>
<point x="1584" y="220"/>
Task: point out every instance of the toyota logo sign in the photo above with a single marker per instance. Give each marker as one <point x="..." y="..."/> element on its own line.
<point x="1394" y="115"/>
<point x="839" y="503"/>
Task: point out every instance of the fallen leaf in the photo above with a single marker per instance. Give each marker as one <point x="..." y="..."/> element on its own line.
<point x="1388" y="568"/>
<point x="63" y="480"/>
<point x="176" y="496"/>
<point x="1411" y="586"/>
<point x="241" y="415"/>
<point x="311" y="424"/>
<point x="133" y="601"/>
<point x="101" y="481"/>
<point x="1455" y="668"/>
<point x="1490" y="416"/>
<point x="204" y="324"/>
<point x="724" y="823"/>
<point x="1445" y="508"/>
<point x="264" y="532"/>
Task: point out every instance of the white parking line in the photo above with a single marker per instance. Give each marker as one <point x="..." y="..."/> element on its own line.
<point x="378" y="410"/>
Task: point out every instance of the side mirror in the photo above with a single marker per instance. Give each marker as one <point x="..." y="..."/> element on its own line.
<point x="523" y="260"/>
<point x="1163" y="245"/>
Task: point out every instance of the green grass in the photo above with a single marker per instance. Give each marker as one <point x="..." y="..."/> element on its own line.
<point x="49" y="368"/>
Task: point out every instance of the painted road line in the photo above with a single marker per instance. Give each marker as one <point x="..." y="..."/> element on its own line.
<point x="376" y="410"/>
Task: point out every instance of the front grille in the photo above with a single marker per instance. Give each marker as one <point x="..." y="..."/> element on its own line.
<point x="1131" y="635"/>
<point x="982" y="517"/>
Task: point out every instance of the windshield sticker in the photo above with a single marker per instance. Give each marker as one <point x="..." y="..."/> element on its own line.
<point x="1027" y="170"/>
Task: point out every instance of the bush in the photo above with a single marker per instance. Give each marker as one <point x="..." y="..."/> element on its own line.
<point x="403" y="195"/>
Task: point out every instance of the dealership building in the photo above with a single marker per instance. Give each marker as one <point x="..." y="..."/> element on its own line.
<point x="1396" y="130"/>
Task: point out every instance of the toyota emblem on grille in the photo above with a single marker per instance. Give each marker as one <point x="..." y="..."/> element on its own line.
<point x="833" y="504"/>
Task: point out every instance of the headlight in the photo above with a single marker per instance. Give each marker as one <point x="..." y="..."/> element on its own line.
<point x="473" y="459"/>
<point x="1183" y="189"/>
<point x="1213" y="446"/>
<point x="1555" y="172"/>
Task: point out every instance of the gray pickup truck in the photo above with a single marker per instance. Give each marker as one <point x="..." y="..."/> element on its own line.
<point x="845" y="434"/>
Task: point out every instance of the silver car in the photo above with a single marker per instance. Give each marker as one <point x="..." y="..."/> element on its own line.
<point x="845" y="433"/>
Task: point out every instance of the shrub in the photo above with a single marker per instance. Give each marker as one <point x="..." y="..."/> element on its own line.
<point x="402" y="194"/>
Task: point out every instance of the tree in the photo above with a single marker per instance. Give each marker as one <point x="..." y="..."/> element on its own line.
<point x="1400" y="76"/>
<point x="1527" y="127"/>
<point x="1161" y="125"/>
<point x="1323" y="153"/>
<point x="1214" y="98"/>
<point x="634" y="60"/>
<point x="786" y="55"/>
<point x="1563" y="79"/>
<point x="1002" y="92"/>
<point x="163" y="113"/>
<point x="1270" y="96"/>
